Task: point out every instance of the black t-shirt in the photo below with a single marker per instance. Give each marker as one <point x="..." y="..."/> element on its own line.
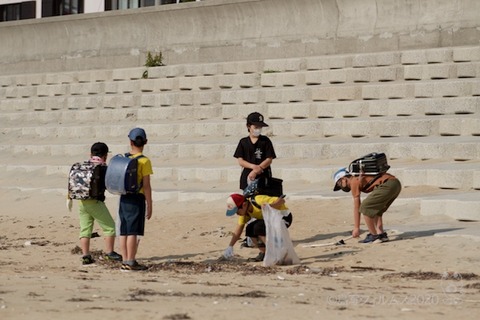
<point x="254" y="153"/>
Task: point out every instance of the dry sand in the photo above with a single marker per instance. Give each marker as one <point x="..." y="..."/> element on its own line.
<point x="419" y="274"/>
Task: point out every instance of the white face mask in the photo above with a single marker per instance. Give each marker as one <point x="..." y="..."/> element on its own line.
<point x="257" y="132"/>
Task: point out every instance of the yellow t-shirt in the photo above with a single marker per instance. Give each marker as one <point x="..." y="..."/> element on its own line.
<point x="257" y="212"/>
<point x="144" y="168"/>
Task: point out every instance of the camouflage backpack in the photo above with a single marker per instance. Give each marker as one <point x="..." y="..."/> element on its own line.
<point x="85" y="180"/>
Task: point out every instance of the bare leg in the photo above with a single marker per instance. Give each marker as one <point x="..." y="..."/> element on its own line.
<point x="264" y="240"/>
<point x="131" y="245"/>
<point x="123" y="247"/>
<point x="85" y="244"/>
<point x="109" y="243"/>
<point x="255" y="243"/>
<point x="379" y="224"/>
<point x="371" y="224"/>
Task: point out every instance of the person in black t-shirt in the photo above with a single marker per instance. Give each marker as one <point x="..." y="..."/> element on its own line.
<point x="255" y="152"/>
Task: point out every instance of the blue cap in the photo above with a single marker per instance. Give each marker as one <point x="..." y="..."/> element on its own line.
<point x="137" y="132"/>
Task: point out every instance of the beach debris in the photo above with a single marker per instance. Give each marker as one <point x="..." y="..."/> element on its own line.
<point x="302" y="269"/>
<point x="370" y="268"/>
<point x="177" y="316"/>
<point x="35" y="243"/>
<point x="427" y="275"/>
<point x="335" y="243"/>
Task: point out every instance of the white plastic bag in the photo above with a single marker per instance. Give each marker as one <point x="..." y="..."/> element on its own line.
<point x="279" y="246"/>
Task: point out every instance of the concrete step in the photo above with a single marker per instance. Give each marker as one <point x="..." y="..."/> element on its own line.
<point x="394" y="90"/>
<point x="459" y="148"/>
<point x="311" y="110"/>
<point x="420" y="107"/>
<point x="454" y="125"/>
<point x="464" y="206"/>
<point x="133" y="93"/>
<point x="365" y="108"/>
<point x="431" y="56"/>
<point x="208" y="84"/>
<point x="372" y="74"/>
<point x="438" y="174"/>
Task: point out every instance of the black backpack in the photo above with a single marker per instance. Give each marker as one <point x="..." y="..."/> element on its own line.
<point x="264" y="186"/>
<point x="370" y="164"/>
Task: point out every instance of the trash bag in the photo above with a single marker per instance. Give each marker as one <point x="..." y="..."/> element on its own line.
<point x="279" y="246"/>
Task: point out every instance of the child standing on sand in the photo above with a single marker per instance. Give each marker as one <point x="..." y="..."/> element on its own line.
<point x="255" y="152"/>
<point x="94" y="209"/>
<point x="135" y="207"/>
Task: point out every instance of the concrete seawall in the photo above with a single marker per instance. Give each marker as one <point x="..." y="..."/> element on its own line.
<point x="232" y="30"/>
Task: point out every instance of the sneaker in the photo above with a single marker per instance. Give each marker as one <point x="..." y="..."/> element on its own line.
<point x="134" y="267"/>
<point x="383" y="237"/>
<point x="86" y="260"/>
<point x="258" y="258"/>
<point x="113" y="256"/>
<point x="370" y="238"/>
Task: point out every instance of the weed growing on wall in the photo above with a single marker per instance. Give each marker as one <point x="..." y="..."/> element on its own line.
<point x="152" y="61"/>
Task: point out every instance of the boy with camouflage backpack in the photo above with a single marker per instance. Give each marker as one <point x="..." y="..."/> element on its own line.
<point x="87" y="184"/>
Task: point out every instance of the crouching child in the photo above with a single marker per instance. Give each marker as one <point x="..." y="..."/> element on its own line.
<point x="382" y="190"/>
<point x="250" y="218"/>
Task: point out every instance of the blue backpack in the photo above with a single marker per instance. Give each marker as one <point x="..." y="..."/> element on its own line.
<point x="121" y="176"/>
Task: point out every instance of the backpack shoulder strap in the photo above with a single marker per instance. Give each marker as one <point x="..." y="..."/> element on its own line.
<point x="255" y="203"/>
<point x="365" y="188"/>
<point x="128" y="155"/>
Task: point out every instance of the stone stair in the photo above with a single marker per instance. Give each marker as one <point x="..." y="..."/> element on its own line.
<point x="420" y="107"/>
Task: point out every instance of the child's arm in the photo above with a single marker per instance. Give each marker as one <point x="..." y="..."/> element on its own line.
<point x="147" y="189"/>
<point x="228" y="253"/>
<point x="278" y="203"/>
<point x="69" y="204"/>
<point x="247" y="165"/>
<point x="356" y="194"/>
<point x="356" y="217"/>
<point x="266" y="163"/>
<point x="256" y="169"/>
<point x="237" y="233"/>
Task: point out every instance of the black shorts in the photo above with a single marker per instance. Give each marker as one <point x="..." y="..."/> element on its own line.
<point x="132" y="214"/>
<point x="257" y="228"/>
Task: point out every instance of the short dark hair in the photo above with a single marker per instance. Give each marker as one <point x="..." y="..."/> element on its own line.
<point x="139" y="142"/>
<point x="99" y="149"/>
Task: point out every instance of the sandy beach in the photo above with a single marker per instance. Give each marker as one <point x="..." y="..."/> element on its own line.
<point x="333" y="80"/>
<point x="428" y="270"/>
